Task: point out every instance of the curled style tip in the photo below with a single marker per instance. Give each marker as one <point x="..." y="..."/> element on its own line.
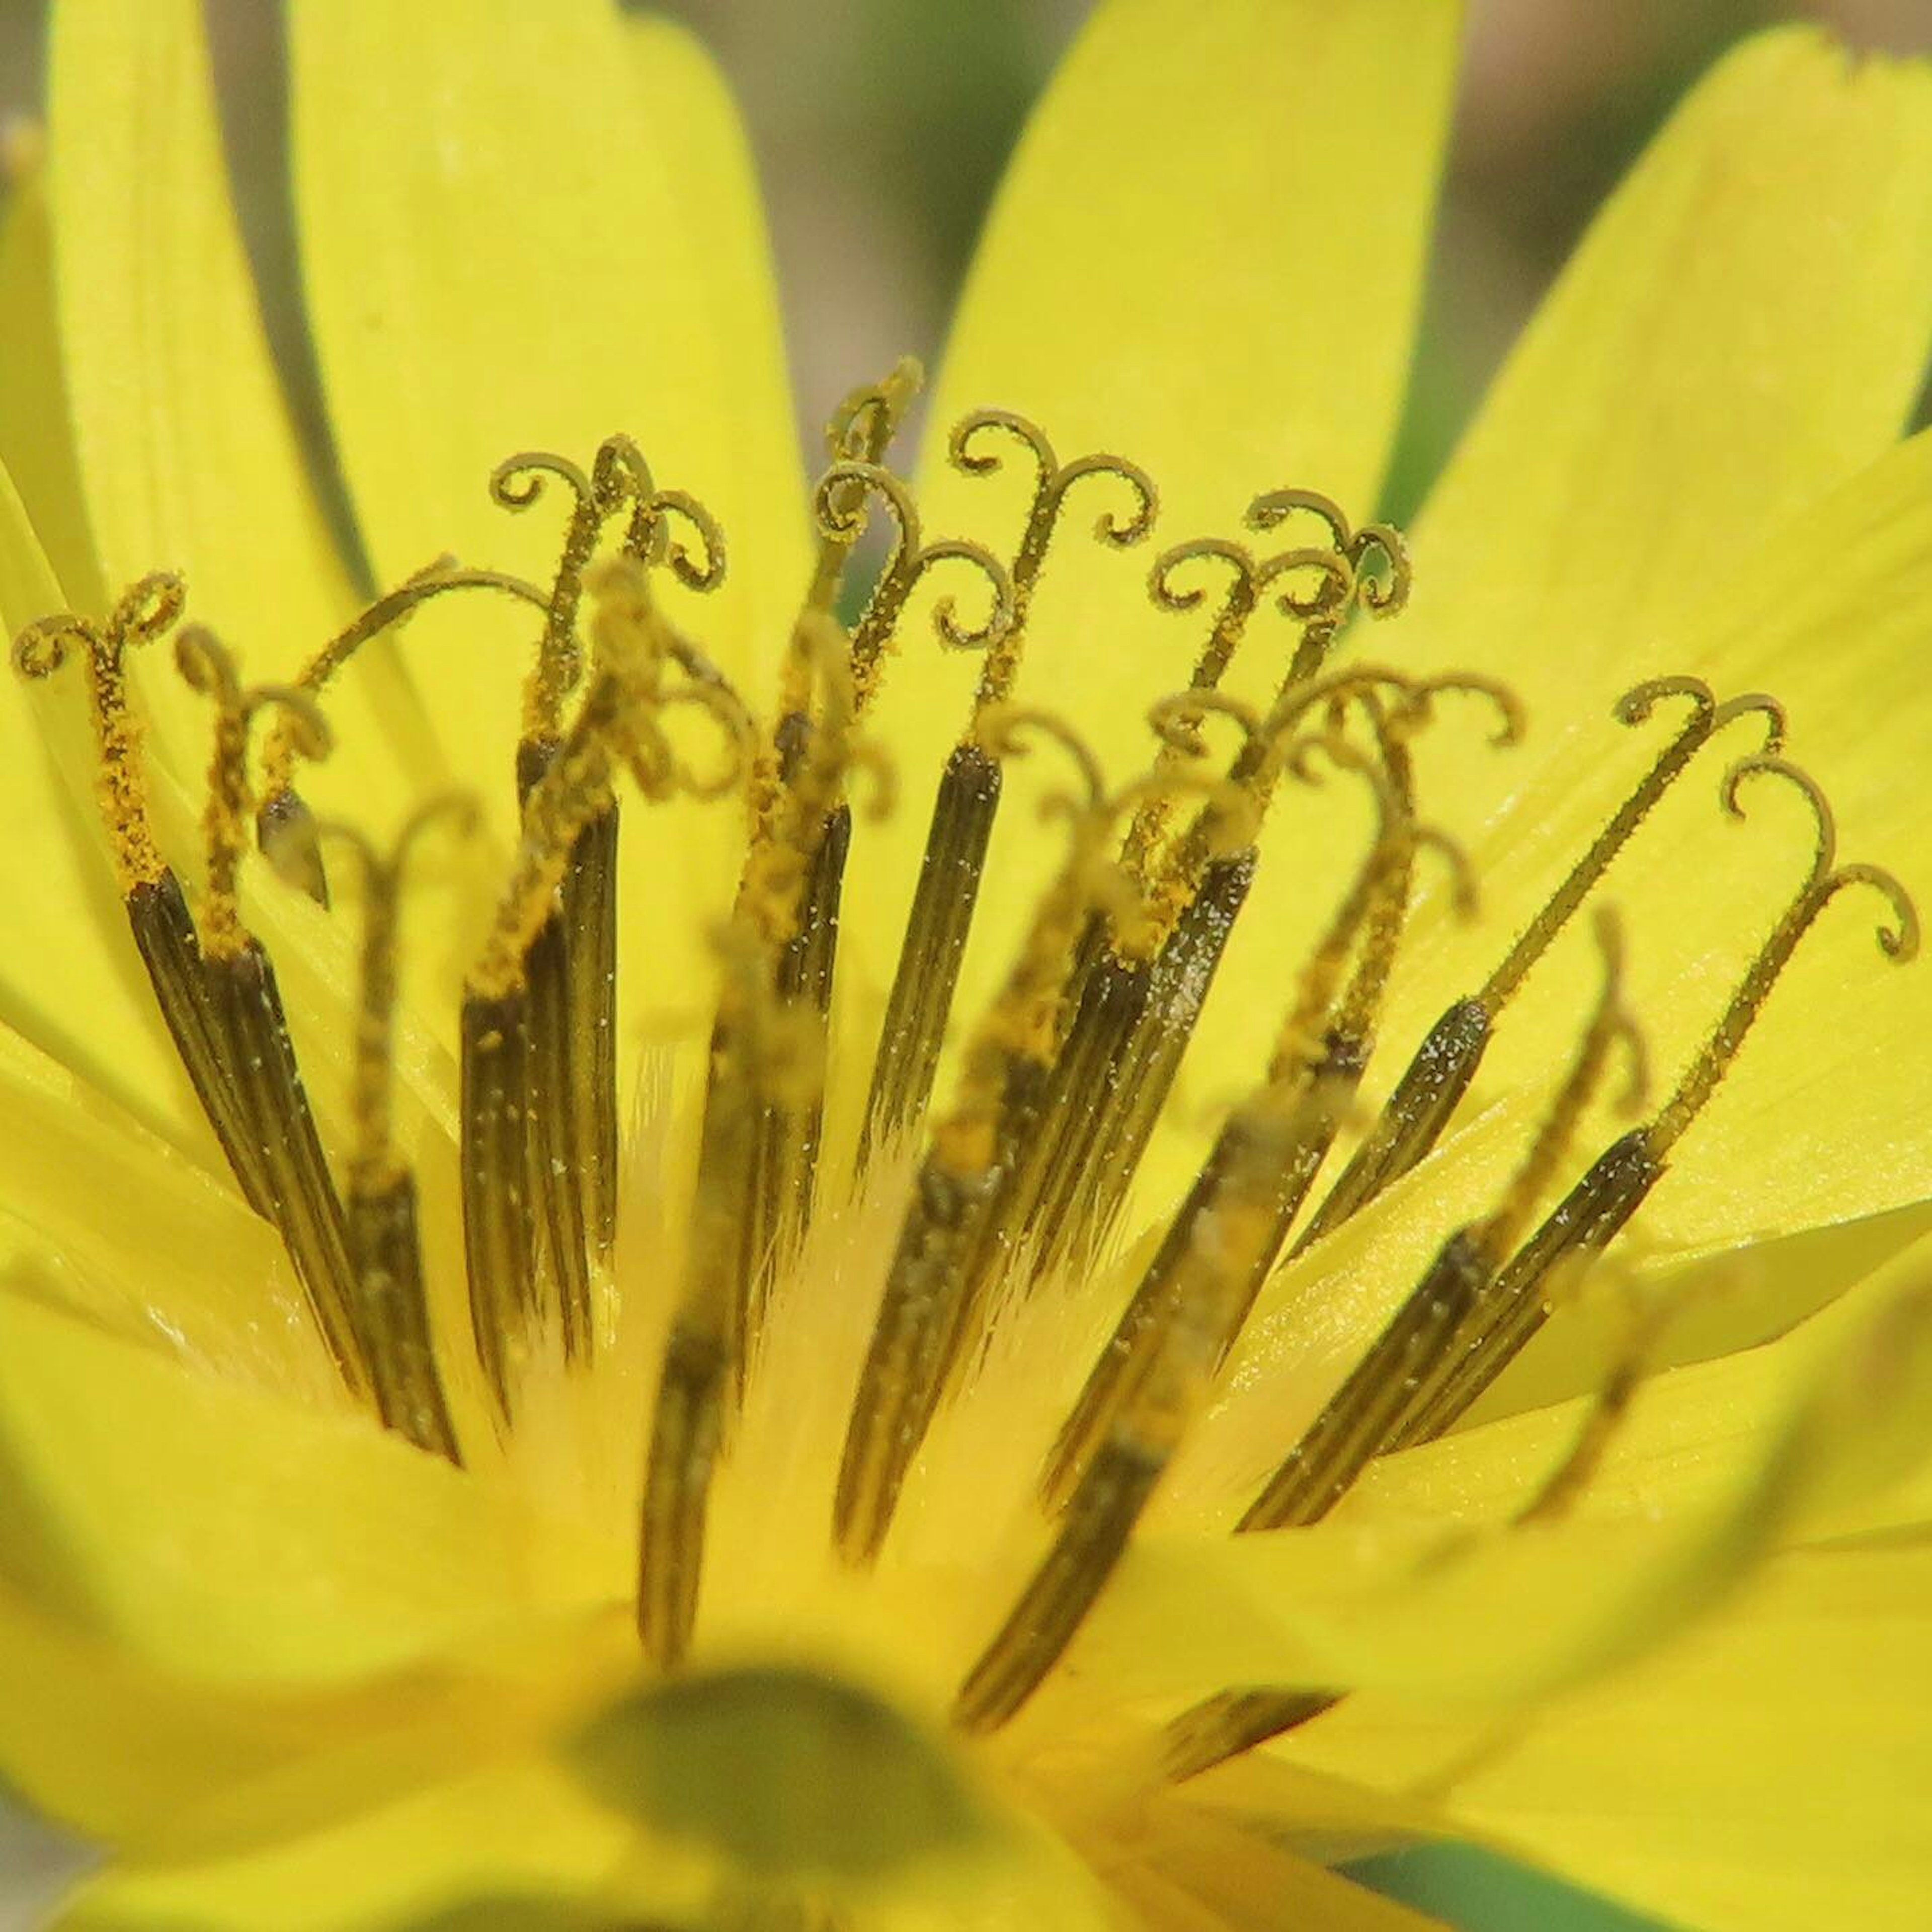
<point x="1764" y="764"/>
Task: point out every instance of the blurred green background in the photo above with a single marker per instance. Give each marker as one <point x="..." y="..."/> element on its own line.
<point x="880" y="126"/>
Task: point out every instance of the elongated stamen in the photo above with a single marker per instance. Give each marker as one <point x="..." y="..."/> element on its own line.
<point x="530" y="1063"/>
<point x="758" y="1149"/>
<point x="570" y="965"/>
<point x="1137" y="1013"/>
<point x="157" y="908"/>
<point x="1105" y="1503"/>
<point x="380" y="1200"/>
<point x="934" y="1296"/>
<point x="248" y="1024"/>
<point x="1222" y="1243"/>
<point x="1586" y="1222"/>
<point x="1426" y="1095"/>
<point x="767" y="1054"/>
<point x="1359" y="1420"/>
<point x="781" y="1186"/>
<point x="966" y="803"/>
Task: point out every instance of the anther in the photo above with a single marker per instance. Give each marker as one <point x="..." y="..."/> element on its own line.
<point x="968" y="800"/>
<point x="537" y="1108"/>
<point x="934" y="1297"/>
<point x="1431" y="1087"/>
<point x="1138" y="1007"/>
<point x="380" y="1216"/>
<point x="1219" y="1249"/>
<point x="1426" y="1340"/>
<point x="247" y="1028"/>
<point x="158" y="911"/>
<point x="1596" y="1209"/>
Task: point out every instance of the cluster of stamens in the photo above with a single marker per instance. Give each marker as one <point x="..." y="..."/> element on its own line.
<point x="1022" y="1174"/>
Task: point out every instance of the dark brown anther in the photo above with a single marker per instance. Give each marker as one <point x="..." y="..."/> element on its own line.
<point x="164" y="932"/>
<point x="1273" y="1152"/>
<point x="1514" y="1306"/>
<point x="385" y="1250"/>
<point x="1091" y="1538"/>
<point x="789" y="1130"/>
<point x="686" y="1431"/>
<point x="498" y="1229"/>
<point x="245" y="1008"/>
<point x="1118" y="1067"/>
<point x="1412" y="1120"/>
<point x="963" y="812"/>
<point x="1222" y="1727"/>
<point x="923" y="1313"/>
<point x="1360" y="1419"/>
<point x="966" y="803"/>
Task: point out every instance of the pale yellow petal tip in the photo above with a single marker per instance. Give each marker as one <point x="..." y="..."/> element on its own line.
<point x="23" y="149"/>
<point x="1801" y="54"/>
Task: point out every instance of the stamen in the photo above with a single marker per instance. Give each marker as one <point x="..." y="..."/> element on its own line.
<point x="769" y="1035"/>
<point x="1589" y="1218"/>
<point x="1219" y="1250"/>
<point x="380" y="1208"/>
<point x="1104" y="1505"/>
<point x="1426" y="1095"/>
<point x="1359" y="1421"/>
<point x="157" y="909"/>
<point x="935" y="1295"/>
<point x="1135" y="1018"/>
<point x="968" y="801"/>
<point x="1224" y="1726"/>
<point x="781" y="1183"/>
<point x="537" y="1107"/>
<point x="766" y="1058"/>
<point x="247" y="1025"/>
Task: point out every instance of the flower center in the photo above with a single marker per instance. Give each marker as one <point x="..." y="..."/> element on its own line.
<point x="1022" y="1174"/>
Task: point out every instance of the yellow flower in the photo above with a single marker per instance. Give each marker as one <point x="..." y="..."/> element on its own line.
<point x="913" y="1646"/>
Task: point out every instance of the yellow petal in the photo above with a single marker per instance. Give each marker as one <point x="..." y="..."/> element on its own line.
<point x="1682" y="390"/>
<point x="1248" y="1881"/>
<point x="1824" y="1118"/>
<point x="36" y="430"/>
<point x="145" y="1271"/>
<point x="184" y="444"/>
<point x="505" y="1834"/>
<point x="1768" y="1775"/>
<point x="1675" y="421"/>
<point x="524" y="231"/>
<point x="1206" y="257"/>
<point x="224" y="1533"/>
<point x="530" y="229"/>
<point x="1438" y="1612"/>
